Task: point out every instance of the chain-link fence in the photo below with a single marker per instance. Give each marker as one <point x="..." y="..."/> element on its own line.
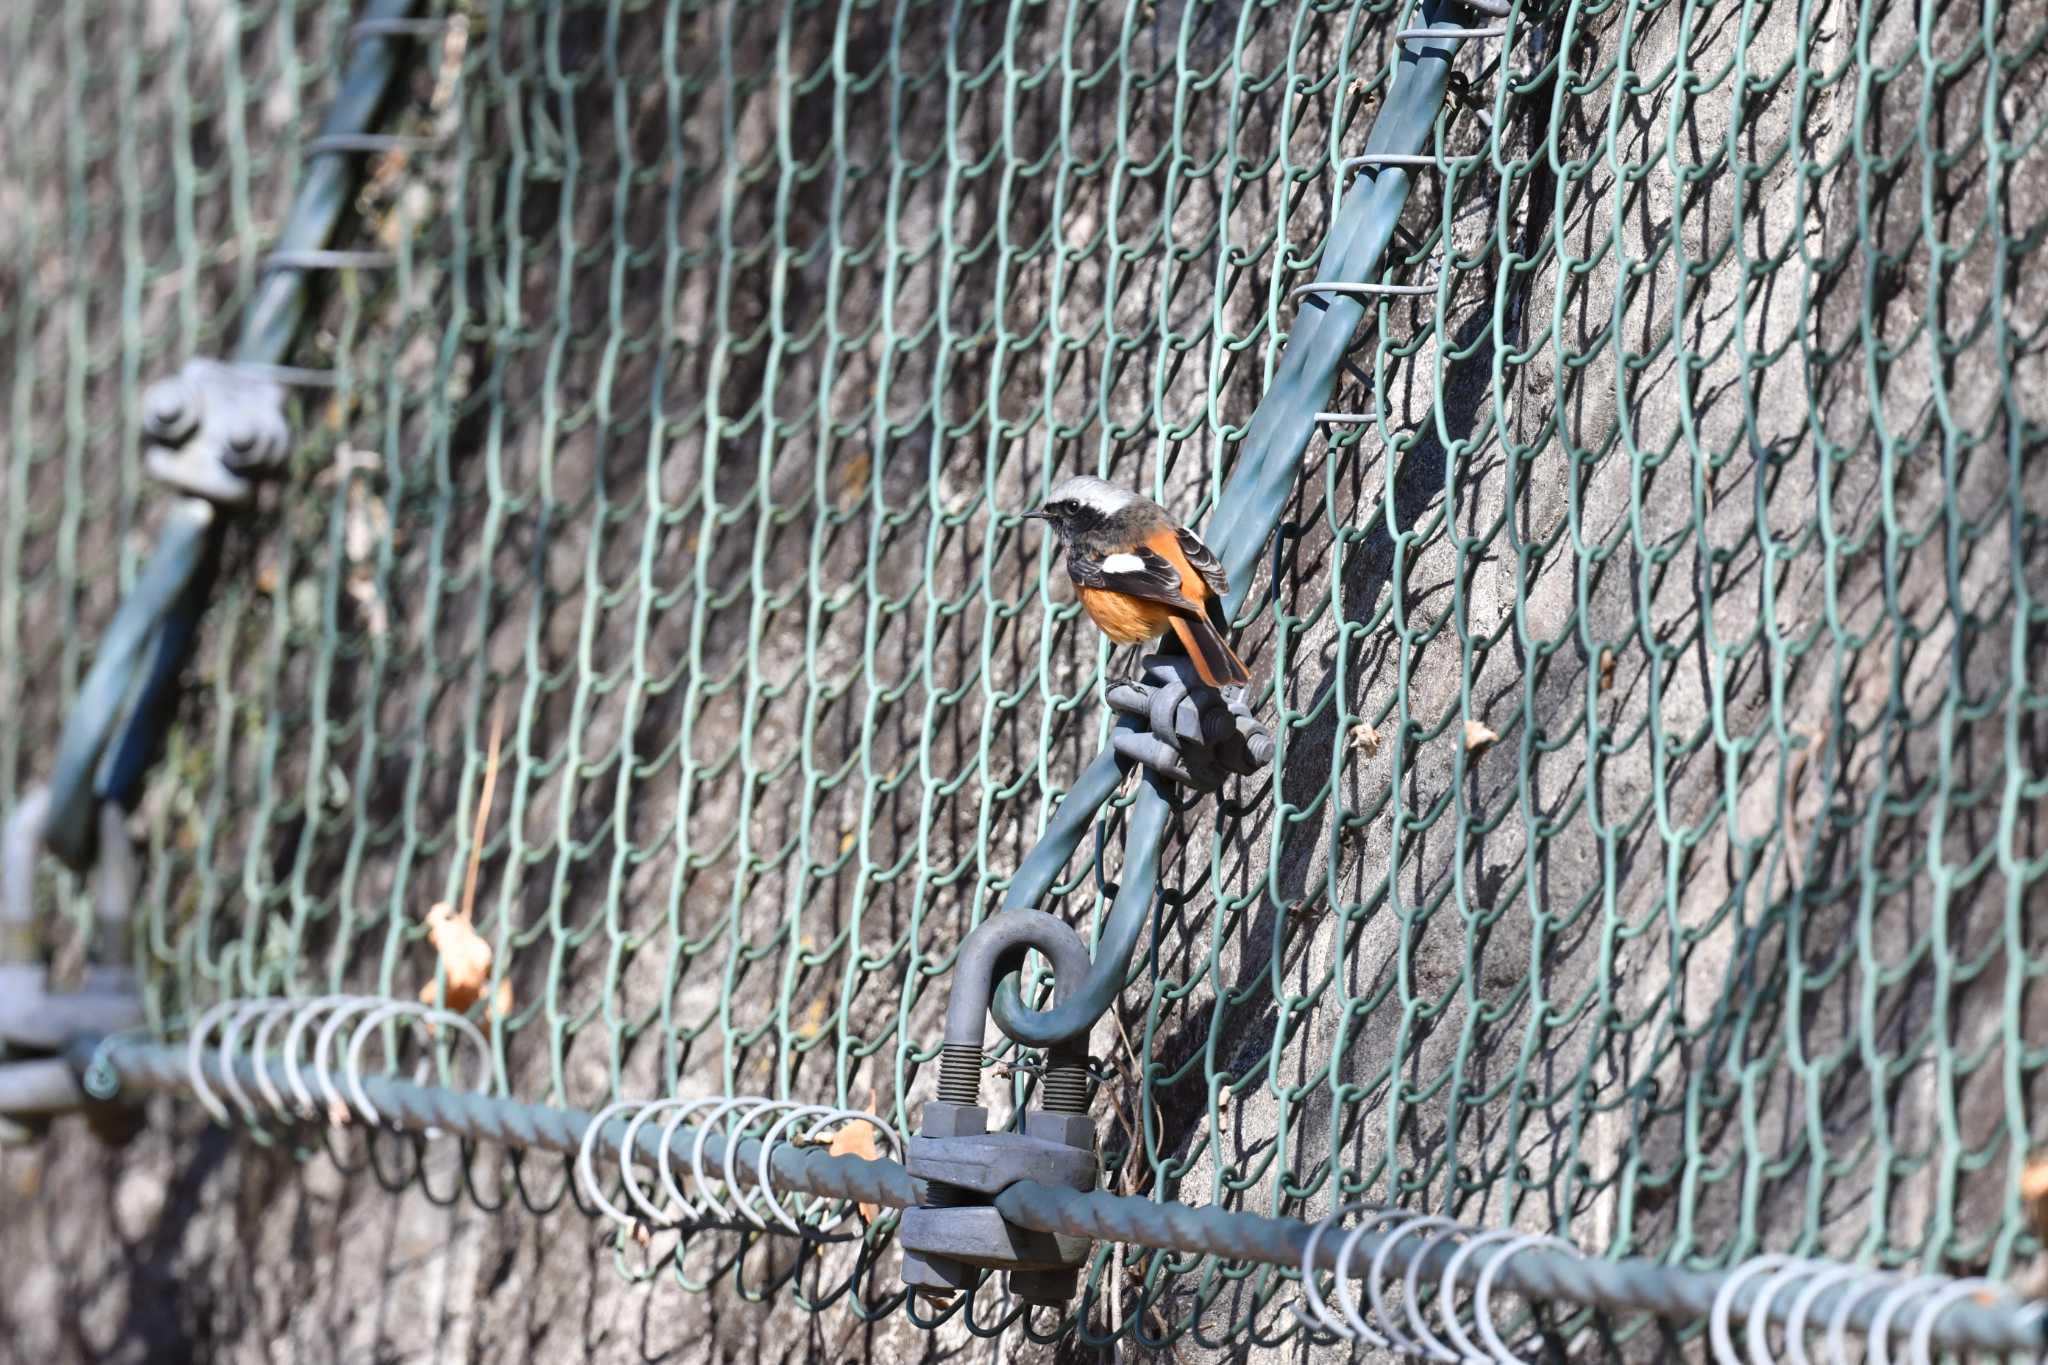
<point x="1649" y="640"/>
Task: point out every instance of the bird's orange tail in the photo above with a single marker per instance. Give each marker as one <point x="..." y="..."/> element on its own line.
<point x="1214" y="660"/>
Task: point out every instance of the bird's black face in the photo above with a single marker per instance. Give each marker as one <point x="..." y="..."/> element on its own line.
<point x="1070" y="517"/>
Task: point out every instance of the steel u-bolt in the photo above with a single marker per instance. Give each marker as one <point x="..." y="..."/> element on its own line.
<point x="960" y="1166"/>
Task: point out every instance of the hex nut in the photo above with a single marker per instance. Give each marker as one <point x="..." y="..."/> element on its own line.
<point x="1069" y="1130"/>
<point x="943" y="1120"/>
<point x="921" y="1271"/>
<point x="1044" y="1286"/>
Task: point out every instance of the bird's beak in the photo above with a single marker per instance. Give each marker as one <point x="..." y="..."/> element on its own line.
<point x="1037" y="514"/>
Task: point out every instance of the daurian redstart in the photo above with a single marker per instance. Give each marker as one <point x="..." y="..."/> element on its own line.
<point x="1140" y="575"/>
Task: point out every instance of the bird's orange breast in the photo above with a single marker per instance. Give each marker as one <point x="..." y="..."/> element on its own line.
<point x="1124" y="618"/>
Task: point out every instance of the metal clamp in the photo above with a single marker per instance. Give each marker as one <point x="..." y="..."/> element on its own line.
<point x="959" y="1166"/>
<point x="212" y="429"/>
<point x="1199" y="736"/>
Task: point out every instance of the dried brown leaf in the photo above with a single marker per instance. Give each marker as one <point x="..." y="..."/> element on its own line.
<point x="857" y="1139"/>
<point x="852" y="481"/>
<point x="2034" y="1191"/>
<point x="464" y="955"/>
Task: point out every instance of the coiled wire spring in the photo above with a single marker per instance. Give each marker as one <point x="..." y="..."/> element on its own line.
<point x="1372" y="1324"/>
<point x="1429" y="1258"/>
<point x="353" y="144"/>
<point x="1909" y="1305"/>
<point x="284" y="1062"/>
<point x="743" y="1197"/>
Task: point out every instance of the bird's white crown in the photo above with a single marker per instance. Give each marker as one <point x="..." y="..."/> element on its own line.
<point x="1092" y="493"/>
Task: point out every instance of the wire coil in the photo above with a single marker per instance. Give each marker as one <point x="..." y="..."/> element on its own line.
<point x="741" y="1193"/>
<point x="1901" y="1305"/>
<point x="317" y="1047"/>
<point x="1796" y="1311"/>
<point x="346" y="143"/>
<point x="1407" y="1329"/>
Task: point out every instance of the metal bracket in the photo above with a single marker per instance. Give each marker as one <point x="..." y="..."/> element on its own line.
<point x="1199" y="736"/>
<point x="212" y="428"/>
<point x="36" y="1023"/>
<point x="958" y="1165"/>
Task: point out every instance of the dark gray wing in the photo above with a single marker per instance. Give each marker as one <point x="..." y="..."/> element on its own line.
<point x="1203" y="560"/>
<point x="1141" y="572"/>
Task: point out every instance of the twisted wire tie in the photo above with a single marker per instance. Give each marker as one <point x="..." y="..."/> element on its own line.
<point x="342" y="144"/>
<point x="1402" y="160"/>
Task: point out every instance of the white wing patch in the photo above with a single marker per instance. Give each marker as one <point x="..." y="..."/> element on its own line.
<point x="1122" y="564"/>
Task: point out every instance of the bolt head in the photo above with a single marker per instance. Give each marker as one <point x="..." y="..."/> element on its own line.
<point x="168" y="412"/>
<point x="252" y="444"/>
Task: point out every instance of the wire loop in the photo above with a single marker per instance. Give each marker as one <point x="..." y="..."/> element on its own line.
<point x="1447" y="1290"/>
<point x="1347" y="1294"/>
<point x="1374" y="1291"/>
<point x="1802" y="1305"/>
<point x="1920" y="1345"/>
<point x="416" y="1011"/>
<point x="1718" y="1335"/>
<point x="1482" y="1289"/>
<point x="1758" y="1332"/>
<point x="1878" y="1351"/>
<point x="1838" y="1321"/>
<point x="1412" y="1297"/>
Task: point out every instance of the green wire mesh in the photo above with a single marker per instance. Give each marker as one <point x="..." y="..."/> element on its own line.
<point x="1655" y="851"/>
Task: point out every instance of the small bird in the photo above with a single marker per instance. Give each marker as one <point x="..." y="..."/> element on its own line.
<point x="1139" y="574"/>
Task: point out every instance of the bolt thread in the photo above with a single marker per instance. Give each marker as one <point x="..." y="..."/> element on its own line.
<point x="960" y="1073"/>
<point x="1065" y="1090"/>
<point x="938" y="1194"/>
